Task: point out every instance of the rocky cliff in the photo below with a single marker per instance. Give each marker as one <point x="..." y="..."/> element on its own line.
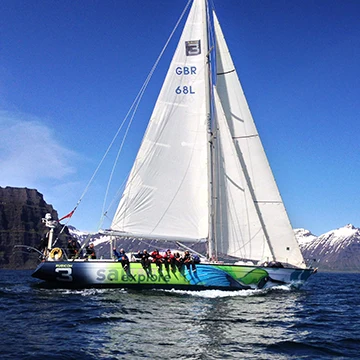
<point x="21" y="213"/>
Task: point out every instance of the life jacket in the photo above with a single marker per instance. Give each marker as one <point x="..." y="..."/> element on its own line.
<point x="156" y="256"/>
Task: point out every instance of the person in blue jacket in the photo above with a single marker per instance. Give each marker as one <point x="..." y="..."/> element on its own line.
<point x="122" y="257"/>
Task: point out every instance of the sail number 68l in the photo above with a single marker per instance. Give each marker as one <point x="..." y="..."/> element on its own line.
<point x="184" y="90"/>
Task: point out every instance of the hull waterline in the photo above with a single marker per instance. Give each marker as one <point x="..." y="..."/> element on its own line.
<point x="109" y="274"/>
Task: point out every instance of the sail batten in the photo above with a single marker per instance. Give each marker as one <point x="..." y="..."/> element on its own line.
<point x="226" y="72"/>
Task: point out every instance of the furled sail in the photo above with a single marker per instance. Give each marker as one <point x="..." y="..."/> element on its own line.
<point x="270" y="221"/>
<point x="166" y="195"/>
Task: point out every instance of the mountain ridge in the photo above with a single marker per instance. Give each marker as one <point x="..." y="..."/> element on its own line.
<point x="335" y="250"/>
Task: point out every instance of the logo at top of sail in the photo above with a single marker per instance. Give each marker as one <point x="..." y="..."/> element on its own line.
<point x="192" y="47"/>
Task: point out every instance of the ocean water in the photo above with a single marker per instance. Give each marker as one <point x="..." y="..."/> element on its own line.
<point x="320" y="321"/>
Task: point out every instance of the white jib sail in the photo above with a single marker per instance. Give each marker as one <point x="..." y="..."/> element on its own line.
<point x="238" y="230"/>
<point x="167" y="191"/>
<point x="261" y="183"/>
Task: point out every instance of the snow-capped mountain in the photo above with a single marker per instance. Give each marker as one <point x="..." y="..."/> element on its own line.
<point x="336" y="250"/>
<point x="304" y="236"/>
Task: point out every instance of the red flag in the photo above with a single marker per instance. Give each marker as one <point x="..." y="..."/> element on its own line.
<point x="69" y="215"/>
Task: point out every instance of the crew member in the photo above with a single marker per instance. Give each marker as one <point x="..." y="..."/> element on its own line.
<point x="169" y="260"/>
<point x="144" y="259"/>
<point x="123" y="258"/>
<point x="90" y="251"/>
<point x="72" y="249"/>
<point x="189" y="260"/>
<point x="157" y="259"/>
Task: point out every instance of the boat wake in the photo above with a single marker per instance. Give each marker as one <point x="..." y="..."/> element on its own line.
<point x="222" y="294"/>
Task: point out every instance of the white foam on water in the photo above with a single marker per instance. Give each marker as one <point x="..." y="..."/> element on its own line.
<point x="281" y="287"/>
<point x="196" y="293"/>
<point x="83" y="292"/>
<point x="222" y="293"/>
<point x="216" y="293"/>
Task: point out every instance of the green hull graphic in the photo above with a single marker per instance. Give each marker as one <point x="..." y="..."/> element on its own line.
<point x="207" y="276"/>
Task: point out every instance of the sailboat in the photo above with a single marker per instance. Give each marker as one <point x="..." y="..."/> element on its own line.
<point x="201" y="175"/>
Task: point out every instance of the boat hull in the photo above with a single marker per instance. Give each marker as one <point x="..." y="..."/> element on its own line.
<point x="109" y="274"/>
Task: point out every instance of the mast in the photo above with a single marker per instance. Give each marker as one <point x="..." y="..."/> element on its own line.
<point x="211" y="240"/>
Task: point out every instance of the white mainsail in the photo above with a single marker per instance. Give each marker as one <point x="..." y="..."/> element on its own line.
<point x="271" y="222"/>
<point x="166" y="195"/>
<point x="167" y="192"/>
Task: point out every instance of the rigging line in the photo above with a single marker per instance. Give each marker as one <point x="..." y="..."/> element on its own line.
<point x="117" y="195"/>
<point x="136" y="104"/>
<point x="61" y="231"/>
<point x="87" y="240"/>
<point x="209" y="52"/>
<point x="133" y="108"/>
<point x="64" y="226"/>
<point x="190" y="249"/>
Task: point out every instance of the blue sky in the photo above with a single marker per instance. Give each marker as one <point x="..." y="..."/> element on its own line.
<point x="69" y="70"/>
